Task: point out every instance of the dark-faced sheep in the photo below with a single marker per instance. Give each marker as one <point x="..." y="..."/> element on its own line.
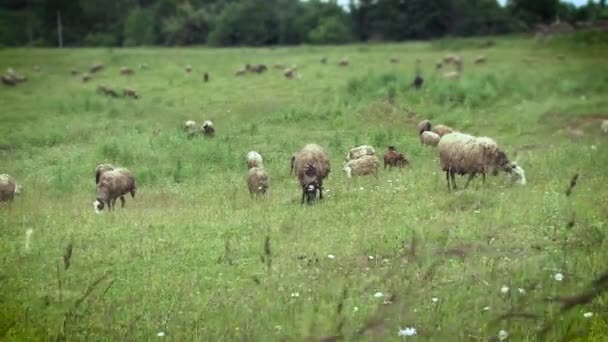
<point x="112" y="185"/>
<point x="442" y="130"/>
<point x="362" y="166"/>
<point x="8" y="188"/>
<point x="257" y="181"/>
<point x="311" y="165"/>
<point x="208" y="129"/>
<point x="258" y="68"/>
<point x="393" y="60"/>
<point x="86" y="77"/>
<point x="465" y="154"/>
<point x="393" y="158"/>
<point x="254" y="159"/>
<point x="97" y="67"/>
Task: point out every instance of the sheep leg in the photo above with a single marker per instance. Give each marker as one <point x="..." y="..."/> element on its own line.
<point x="471" y="176"/>
<point x="483" y="178"/>
<point x="452" y="173"/>
<point x="122" y="201"/>
<point x="320" y="193"/>
<point x="114" y="203"/>
<point x="303" y="196"/>
<point x="447" y="178"/>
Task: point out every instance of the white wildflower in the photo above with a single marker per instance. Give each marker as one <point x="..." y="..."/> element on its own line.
<point x="588" y="314"/>
<point x="331" y="256"/>
<point x="558" y="276"/>
<point x="371" y="257"/>
<point x="434" y="299"/>
<point x="522" y="291"/>
<point x="503" y="335"/>
<point x="28" y="239"/>
<point x="408" y="331"/>
<point x="378" y="294"/>
<point x="487" y="308"/>
<point x="355" y="309"/>
<point x="295" y="295"/>
<point x="361" y="188"/>
<point x="504" y="289"/>
<point x="161" y="334"/>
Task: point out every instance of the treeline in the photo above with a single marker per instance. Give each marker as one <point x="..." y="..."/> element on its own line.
<point x="270" y="22"/>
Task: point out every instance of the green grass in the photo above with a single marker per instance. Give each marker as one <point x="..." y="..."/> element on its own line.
<point x="187" y="257"/>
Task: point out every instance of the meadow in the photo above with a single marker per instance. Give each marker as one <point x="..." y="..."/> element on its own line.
<point x="194" y="258"/>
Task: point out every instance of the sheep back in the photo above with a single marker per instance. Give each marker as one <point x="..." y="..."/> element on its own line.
<point x="360" y="151"/>
<point x="311" y="154"/>
<point x="115" y="183"/>
<point x="429" y="138"/>
<point x="366" y="165"/>
<point x="102" y="168"/>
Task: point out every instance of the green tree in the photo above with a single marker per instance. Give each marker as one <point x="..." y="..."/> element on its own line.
<point x="331" y="30"/>
<point x="139" y="27"/>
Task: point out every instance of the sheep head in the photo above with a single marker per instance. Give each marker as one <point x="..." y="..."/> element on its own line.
<point x="98" y="205"/>
<point x="500" y="162"/>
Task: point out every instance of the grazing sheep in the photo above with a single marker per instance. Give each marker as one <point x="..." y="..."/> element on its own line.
<point x="442" y="130"/>
<point x="254" y="159"/>
<point x="112" y="185"/>
<point x="240" y="72"/>
<point x="323" y="60"/>
<point x="394" y="158"/>
<point x="311" y="165"/>
<point x="144" y="66"/>
<point x="480" y="59"/>
<point x="8" y="188"/>
<point x="360" y="151"/>
<point x="12" y="78"/>
<point x="206" y="77"/>
<point x="418" y="80"/>
<point x="100" y="169"/>
<point x="451" y="59"/>
<point x="257" y="181"/>
<point x="451" y="75"/>
<point x="604" y="126"/>
<point x="362" y="166"/>
<point x="465" y="154"/>
<point x="96" y="68"/>
<point x="429" y="138"/>
<point x="393" y="60"/>
<point x="74" y="72"/>
<point x="126" y="71"/>
<point x="128" y="92"/>
<point x="258" y="68"/>
<point x="105" y="90"/>
<point x="424" y="125"/>
<point x="438" y="65"/>
<point x="518" y="176"/>
<point x="208" y="129"/>
<point x="290" y="73"/>
<point x="8" y="80"/>
<point x="343" y="62"/>
<point x="86" y="77"/>
<point x="188" y="68"/>
<point x="279" y="66"/>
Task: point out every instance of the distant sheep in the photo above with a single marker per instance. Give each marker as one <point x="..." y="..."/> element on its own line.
<point x="105" y="90"/>
<point x="101" y="169"/>
<point x="480" y="59"/>
<point x="518" y="176"/>
<point x="290" y="73"/>
<point x="112" y="185"/>
<point x="8" y="80"/>
<point x="279" y="66"/>
<point x="188" y="68"/>
<point x="465" y="154"/>
<point x="393" y="60"/>
<point x="97" y="67"/>
<point x="323" y="60"/>
<point x="8" y="188"/>
<point x="126" y="71"/>
<point x="208" y="129"/>
<point x="360" y="151"/>
<point x="11" y="77"/>
<point x="604" y="126"/>
<point x="74" y="72"/>
<point x="258" y="68"/>
<point x="189" y="125"/>
<point x="311" y="165"/>
<point x="86" y="77"/>
<point x="254" y="159"/>
<point x="144" y="66"/>
<point x="205" y="77"/>
<point x="240" y="72"/>
<point x="343" y="62"/>
<point x="129" y="92"/>
<point x="429" y="138"/>
<point x="393" y="158"/>
<point x="362" y="166"/>
<point x="257" y="181"/>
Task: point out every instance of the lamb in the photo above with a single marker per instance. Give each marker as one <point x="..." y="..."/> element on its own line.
<point x="480" y="59"/>
<point x="442" y="130"/>
<point x="8" y="188"/>
<point x="105" y="90"/>
<point x="343" y="62"/>
<point x="96" y="68"/>
<point x="240" y="72"/>
<point x="365" y="165"/>
<point x="126" y="71"/>
<point x="518" y="176"/>
<point x="128" y="92"/>
<point x="604" y="126"/>
<point x="429" y="138"/>
<point x="465" y="154"/>
<point x="101" y="169"/>
<point x="394" y="158"/>
<point x="254" y="159"/>
<point x="360" y="151"/>
<point x="208" y="129"/>
<point x="257" y="181"/>
<point x="112" y="185"/>
<point x="311" y="165"/>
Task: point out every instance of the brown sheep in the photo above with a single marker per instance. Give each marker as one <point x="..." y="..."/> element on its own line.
<point x="101" y="169"/>
<point x="394" y="158"/>
<point x="126" y="71"/>
<point x="343" y="62"/>
<point x="258" y="68"/>
<point x="424" y="125"/>
<point x="311" y="165"/>
<point x="8" y="188"/>
<point x="105" y="90"/>
<point x="128" y="92"/>
<point x="257" y="181"/>
<point x="112" y="185"/>
<point x="96" y="68"/>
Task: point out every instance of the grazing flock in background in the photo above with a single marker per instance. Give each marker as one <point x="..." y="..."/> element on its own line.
<point x="459" y="153"/>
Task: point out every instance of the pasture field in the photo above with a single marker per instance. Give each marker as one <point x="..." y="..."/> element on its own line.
<point x="194" y="258"/>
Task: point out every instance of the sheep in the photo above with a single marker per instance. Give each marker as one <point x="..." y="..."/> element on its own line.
<point x="279" y="66"/>
<point x="86" y="77"/>
<point x="8" y="188"/>
<point x="480" y="59"/>
<point x="240" y="72"/>
<point x="112" y="185"/>
<point x="454" y="75"/>
<point x="323" y="60"/>
<point x="188" y="68"/>
<point x="290" y="73"/>
<point x="393" y="60"/>
<point x="442" y="130"/>
<point x="105" y="90"/>
<point x="100" y="169"/>
<point x="424" y="125"/>
<point x="9" y="80"/>
<point x="12" y="78"/>
<point x="604" y="126"/>
<point x="418" y="80"/>
<point x="451" y="59"/>
<point x="205" y="77"/>
<point x="364" y="165"/>
<point x="360" y="151"/>
<point x="189" y="125"/>
<point x="144" y="66"/>
<point x="74" y="72"/>
<point x="429" y="138"/>
<point x="343" y="62"/>
<point x="96" y="68"/>
<point x="129" y="92"/>
<point x="394" y="158"/>
<point x="254" y="159"/>
<point x="518" y="176"/>
<point x="462" y="154"/>
<point x="258" y="68"/>
<point x="311" y="165"/>
<point x="257" y="181"/>
<point x="126" y="71"/>
<point x="438" y="65"/>
<point x="208" y="129"/>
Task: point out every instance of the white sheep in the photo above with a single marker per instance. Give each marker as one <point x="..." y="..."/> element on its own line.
<point x="465" y="154"/>
<point x="362" y="166"/>
<point x="442" y="130"/>
<point x="112" y="185"/>
<point x="208" y="129"/>
<point x="360" y="151"/>
<point x="429" y="138"/>
<point x="254" y="159"/>
<point x="8" y="188"/>
<point x="517" y="174"/>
